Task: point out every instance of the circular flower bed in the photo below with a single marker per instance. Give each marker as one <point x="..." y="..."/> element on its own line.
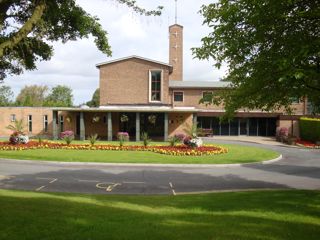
<point x="179" y="150"/>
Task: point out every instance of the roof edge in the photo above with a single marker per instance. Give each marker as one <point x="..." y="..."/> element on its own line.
<point x="130" y="57"/>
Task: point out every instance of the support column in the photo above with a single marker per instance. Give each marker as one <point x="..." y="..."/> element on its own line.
<point x="166" y="126"/>
<point x="109" y="126"/>
<point x="54" y="125"/>
<point x="82" y="127"/>
<point x="137" y="126"/>
<point x="195" y="119"/>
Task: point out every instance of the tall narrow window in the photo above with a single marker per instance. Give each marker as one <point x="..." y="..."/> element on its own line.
<point x="61" y="123"/>
<point x="30" y="123"/>
<point x="45" y="123"/>
<point x="13" y="117"/>
<point x="155" y="86"/>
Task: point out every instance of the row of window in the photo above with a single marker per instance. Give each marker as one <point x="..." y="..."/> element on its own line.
<point x="178" y="96"/>
<point x="29" y="122"/>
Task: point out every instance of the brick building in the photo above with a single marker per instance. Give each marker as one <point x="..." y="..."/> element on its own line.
<point x="142" y="95"/>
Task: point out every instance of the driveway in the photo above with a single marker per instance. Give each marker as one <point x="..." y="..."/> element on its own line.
<point x="299" y="169"/>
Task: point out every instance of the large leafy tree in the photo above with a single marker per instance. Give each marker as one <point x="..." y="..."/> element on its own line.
<point x="32" y="96"/>
<point x="60" y="96"/>
<point x="6" y="96"/>
<point x="28" y="27"/>
<point x="95" y="101"/>
<point x="272" y="49"/>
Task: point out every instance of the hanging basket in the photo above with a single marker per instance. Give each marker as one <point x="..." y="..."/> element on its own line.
<point x="152" y="119"/>
<point x="95" y="119"/>
<point x="124" y="118"/>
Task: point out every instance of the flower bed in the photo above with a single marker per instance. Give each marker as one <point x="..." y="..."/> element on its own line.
<point x="307" y="144"/>
<point x="180" y="150"/>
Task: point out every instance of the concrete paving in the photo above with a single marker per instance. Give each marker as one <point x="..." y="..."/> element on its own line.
<point x="299" y="169"/>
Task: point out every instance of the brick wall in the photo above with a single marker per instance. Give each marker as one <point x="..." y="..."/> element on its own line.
<point x="127" y="82"/>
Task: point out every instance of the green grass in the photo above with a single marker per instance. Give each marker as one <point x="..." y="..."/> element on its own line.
<point x="236" y="154"/>
<point x="264" y="215"/>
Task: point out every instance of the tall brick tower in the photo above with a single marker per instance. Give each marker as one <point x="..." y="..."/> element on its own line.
<point x="176" y="52"/>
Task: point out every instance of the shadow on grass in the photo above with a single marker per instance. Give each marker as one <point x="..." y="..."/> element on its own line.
<point x="244" y="215"/>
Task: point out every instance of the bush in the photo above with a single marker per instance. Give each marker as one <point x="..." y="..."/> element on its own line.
<point x="122" y="137"/>
<point x="145" y="139"/>
<point x="282" y="134"/>
<point x="173" y="140"/>
<point x="67" y="136"/>
<point x="310" y="129"/>
<point x="93" y="138"/>
<point x="180" y="136"/>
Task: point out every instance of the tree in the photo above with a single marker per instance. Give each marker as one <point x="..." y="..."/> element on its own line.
<point x="272" y="49"/>
<point x="6" y="96"/>
<point x="60" y="96"/>
<point x="28" y="27"/>
<point x="95" y="101"/>
<point x="32" y="96"/>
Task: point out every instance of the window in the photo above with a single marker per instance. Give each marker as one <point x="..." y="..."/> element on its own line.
<point x="45" y="123"/>
<point x="13" y="117"/>
<point x="30" y="123"/>
<point x="61" y="123"/>
<point x="178" y="96"/>
<point x="207" y="96"/>
<point x="155" y="78"/>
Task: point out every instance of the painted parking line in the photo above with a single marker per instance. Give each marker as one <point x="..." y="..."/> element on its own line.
<point x="172" y="189"/>
<point x="38" y="189"/>
<point x="51" y="180"/>
<point x="92" y="181"/>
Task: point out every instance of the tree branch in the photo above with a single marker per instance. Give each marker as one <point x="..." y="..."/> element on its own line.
<point x="24" y="30"/>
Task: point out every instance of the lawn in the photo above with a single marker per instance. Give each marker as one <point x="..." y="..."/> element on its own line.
<point x="237" y="215"/>
<point x="236" y="154"/>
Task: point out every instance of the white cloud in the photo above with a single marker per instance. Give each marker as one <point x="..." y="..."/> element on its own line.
<point x="73" y="64"/>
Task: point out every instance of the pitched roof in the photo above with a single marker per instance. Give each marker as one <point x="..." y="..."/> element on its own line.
<point x="131" y="57"/>
<point x="198" y="84"/>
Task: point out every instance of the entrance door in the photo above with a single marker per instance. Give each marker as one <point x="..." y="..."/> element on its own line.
<point x="243" y="126"/>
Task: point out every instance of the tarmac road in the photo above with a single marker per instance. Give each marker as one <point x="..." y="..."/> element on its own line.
<point x="299" y="169"/>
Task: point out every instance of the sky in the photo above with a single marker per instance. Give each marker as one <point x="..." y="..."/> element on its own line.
<point x="73" y="63"/>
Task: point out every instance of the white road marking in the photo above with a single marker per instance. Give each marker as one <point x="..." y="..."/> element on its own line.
<point x="53" y="180"/>
<point x="93" y="181"/>
<point x="134" y="182"/>
<point x="38" y="189"/>
<point x="172" y="189"/>
<point x="108" y="186"/>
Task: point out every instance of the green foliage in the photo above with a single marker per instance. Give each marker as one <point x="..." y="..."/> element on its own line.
<point x="173" y="141"/>
<point x="33" y="96"/>
<point x="60" y="96"/>
<point x="93" y="139"/>
<point x="310" y="129"/>
<point x="95" y="101"/>
<point x="68" y="139"/>
<point x="271" y="48"/>
<point x="6" y="96"/>
<point x="17" y="126"/>
<point x="191" y="130"/>
<point x="146" y="140"/>
<point x="28" y="28"/>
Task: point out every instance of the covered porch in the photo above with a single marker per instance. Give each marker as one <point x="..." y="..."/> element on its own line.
<point x="160" y="123"/>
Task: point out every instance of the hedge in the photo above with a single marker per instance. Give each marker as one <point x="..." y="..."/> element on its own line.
<point x="310" y="129"/>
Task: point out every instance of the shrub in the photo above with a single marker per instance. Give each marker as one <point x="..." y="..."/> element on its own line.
<point x="173" y="141"/>
<point x="67" y="136"/>
<point x="310" y="129"/>
<point x="282" y="134"/>
<point x="145" y="139"/>
<point x="180" y="136"/>
<point x="122" y="137"/>
<point x="93" y="138"/>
